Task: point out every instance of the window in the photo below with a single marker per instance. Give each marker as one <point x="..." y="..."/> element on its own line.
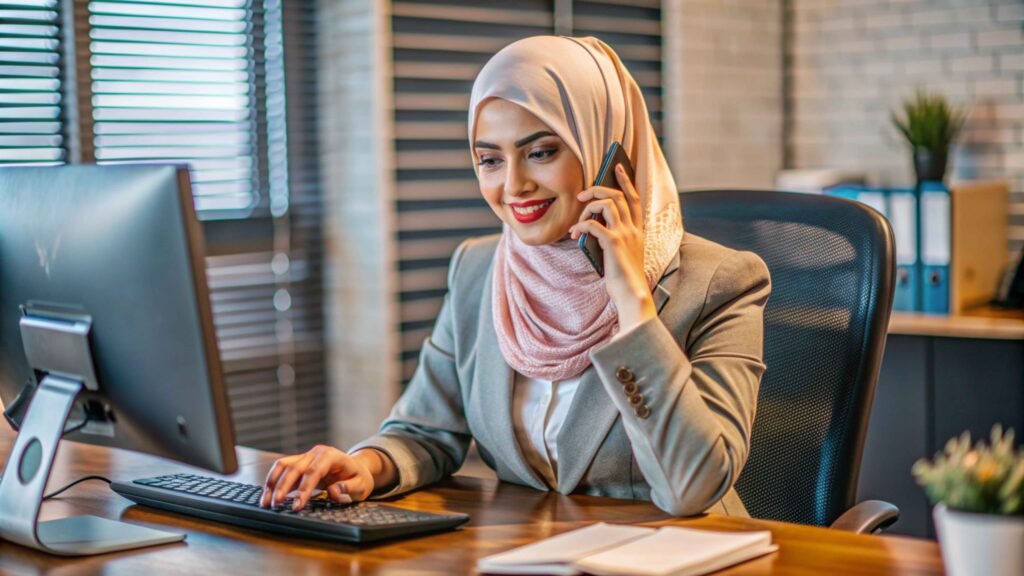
<point x="176" y="83"/>
<point x="30" y="70"/>
<point x="204" y="83"/>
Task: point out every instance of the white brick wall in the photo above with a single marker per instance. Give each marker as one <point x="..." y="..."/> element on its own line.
<point x="723" y="92"/>
<point x="853" y="61"/>
<point x="356" y="159"/>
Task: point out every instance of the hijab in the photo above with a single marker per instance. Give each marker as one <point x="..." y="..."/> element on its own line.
<point x="549" y="306"/>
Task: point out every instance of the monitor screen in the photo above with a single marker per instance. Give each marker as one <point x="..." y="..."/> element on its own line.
<point x="117" y="249"/>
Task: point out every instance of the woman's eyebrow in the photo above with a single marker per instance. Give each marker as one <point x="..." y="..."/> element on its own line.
<point x="518" y="143"/>
<point x="524" y="141"/>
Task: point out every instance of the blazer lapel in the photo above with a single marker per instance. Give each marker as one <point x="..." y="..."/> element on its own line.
<point x="592" y="413"/>
<point x="590" y="417"/>
<point x="495" y="376"/>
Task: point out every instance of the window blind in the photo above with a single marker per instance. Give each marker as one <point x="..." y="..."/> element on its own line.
<point x="30" y="82"/>
<point x="228" y="88"/>
<point x="438" y="46"/>
<point x="267" y="301"/>
<point x="174" y="81"/>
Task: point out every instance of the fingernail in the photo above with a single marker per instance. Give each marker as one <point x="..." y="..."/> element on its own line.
<point x="619" y="168"/>
<point x="345" y="499"/>
<point x="297" y="505"/>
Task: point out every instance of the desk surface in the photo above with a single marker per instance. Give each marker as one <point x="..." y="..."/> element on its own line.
<point x="983" y="323"/>
<point x="503" y="516"/>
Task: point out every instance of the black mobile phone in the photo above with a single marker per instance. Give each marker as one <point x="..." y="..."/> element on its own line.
<point x="605" y="177"/>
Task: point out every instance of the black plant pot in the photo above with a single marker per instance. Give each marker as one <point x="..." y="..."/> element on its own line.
<point x="930" y="164"/>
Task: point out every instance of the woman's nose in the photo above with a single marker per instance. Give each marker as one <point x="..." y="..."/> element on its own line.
<point x="517" y="182"/>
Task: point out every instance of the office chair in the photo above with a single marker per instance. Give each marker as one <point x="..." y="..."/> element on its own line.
<point x="832" y="267"/>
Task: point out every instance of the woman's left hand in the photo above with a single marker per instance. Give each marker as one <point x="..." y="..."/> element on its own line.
<point x="622" y="239"/>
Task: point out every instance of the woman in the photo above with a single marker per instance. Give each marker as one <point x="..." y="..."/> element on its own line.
<point x="641" y="384"/>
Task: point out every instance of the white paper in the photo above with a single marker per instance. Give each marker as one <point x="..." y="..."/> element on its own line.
<point x="680" y="552"/>
<point x="556" y="555"/>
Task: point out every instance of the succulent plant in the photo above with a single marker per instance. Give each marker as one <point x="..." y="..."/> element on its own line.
<point x="986" y="478"/>
<point x="929" y="122"/>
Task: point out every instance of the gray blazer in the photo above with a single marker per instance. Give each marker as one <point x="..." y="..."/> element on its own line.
<point x="697" y="366"/>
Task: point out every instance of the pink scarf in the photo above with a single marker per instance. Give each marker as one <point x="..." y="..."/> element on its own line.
<point x="550" y="308"/>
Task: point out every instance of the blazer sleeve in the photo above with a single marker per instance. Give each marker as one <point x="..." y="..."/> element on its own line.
<point x="426" y="435"/>
<point x="693" y="443"/>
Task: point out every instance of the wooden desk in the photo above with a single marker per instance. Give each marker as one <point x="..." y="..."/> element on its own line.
<point x="503" y="516"/>
<point x="981" y="323"/>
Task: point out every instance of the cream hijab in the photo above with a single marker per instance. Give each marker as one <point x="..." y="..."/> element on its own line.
<point x="550" y="308"/>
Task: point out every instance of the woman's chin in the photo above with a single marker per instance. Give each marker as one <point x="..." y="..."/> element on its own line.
<point x="533" y="235"/>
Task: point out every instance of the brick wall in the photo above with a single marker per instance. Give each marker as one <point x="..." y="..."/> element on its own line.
<point x="723" y="92"/>
<point x="853" y="61"/>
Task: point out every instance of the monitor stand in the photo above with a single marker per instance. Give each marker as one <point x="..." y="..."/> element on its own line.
<point x="30" y="462"/>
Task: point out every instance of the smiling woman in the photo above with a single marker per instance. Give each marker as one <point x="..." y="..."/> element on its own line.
<point x="639" y="384"/>
<point x="527" y="174"/>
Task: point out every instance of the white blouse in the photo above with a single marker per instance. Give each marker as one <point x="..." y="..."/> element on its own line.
<point x="538" y="411"/>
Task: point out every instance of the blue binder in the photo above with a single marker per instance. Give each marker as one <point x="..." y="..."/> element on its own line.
<point x="902" y="203"/>
<point x="936" y="247"/>
<point x="874" y="197"/>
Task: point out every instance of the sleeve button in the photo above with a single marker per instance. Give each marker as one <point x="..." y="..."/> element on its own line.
<point x="624" y="375"/>
<point x="636" y="399"/>
<point x="643" y="412"/>
<point x="630" y="388"/>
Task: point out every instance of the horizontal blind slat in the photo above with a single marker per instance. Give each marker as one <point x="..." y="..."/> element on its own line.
<point x="165" y="78"/>
<point x="30" y="69"/>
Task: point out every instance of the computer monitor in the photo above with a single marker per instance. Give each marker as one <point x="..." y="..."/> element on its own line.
<point x="106" y="337"/>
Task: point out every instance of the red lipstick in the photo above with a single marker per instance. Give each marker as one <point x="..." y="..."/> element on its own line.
<point x="539" y="209"/>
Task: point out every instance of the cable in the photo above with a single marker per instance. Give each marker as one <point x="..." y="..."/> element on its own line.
<point x="68" y="486"/>
<point x="75" y="428"/>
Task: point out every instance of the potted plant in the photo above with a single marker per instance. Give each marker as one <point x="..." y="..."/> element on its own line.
<point x="930" y="125"/>
<point x="978" y="493"/>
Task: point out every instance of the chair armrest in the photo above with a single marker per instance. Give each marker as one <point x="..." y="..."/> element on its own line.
<point x="868" y="517"/>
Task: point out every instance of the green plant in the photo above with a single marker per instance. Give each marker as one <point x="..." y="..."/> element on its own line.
<point x="929" y="122"/>
<point x="983" y="478"/>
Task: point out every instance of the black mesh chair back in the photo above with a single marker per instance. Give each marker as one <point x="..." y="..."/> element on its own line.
<point x="832" y="266"/>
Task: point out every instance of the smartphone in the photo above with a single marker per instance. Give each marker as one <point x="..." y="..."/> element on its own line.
<point x="605" y="177"/>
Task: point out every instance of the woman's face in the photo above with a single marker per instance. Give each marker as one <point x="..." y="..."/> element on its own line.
<point x="527" y="174"/>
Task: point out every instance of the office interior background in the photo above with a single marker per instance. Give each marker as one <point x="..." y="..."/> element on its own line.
<point x="329" y="160"/>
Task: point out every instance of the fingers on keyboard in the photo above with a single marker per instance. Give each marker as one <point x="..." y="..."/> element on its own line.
<point x="290" y="479"/>
<point x="317" y="468"/>
<point x="273" y="476"/>
<point x="337" y="493"/>
<point x="357" y="488"/>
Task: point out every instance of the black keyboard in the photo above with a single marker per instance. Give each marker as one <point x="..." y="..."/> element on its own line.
<point x="236" y="503"/>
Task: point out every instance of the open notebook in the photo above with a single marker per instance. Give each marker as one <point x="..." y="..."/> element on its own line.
<point x="608" y="549"/>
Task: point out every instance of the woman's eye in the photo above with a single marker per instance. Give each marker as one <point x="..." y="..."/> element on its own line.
<point x="487" y="162"/>
<point x="542" y="154"/>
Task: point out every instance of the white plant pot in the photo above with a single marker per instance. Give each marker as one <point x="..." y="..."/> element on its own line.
<point x="975" y="543"/>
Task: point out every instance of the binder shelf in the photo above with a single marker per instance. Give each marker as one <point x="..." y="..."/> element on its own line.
<point x="981" y="323"/>
<point x="951" y="242"/>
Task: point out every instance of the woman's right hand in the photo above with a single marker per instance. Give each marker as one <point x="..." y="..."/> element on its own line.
<point x="346" y="478"/>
